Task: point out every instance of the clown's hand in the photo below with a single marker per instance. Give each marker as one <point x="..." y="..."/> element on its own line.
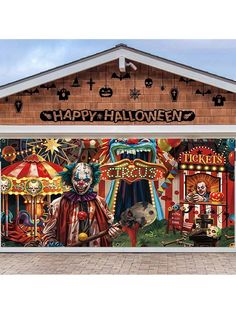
<point x="115" y="230"/>
<point x="189" y="197"/>
<point x="198" y="198"/>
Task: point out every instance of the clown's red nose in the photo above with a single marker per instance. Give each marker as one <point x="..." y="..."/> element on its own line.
<point x="132" y="141"/>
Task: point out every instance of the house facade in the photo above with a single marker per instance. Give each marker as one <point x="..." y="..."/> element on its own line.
<point x="163" y="136"/>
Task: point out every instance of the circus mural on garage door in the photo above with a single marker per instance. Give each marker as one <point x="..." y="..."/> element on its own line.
<point x="117" y="192"/>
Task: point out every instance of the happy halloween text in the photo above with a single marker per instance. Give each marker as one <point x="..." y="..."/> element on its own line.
<point x="157" y="115"/>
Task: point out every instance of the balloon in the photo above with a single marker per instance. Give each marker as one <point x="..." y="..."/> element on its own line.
<point x="10" y="152"/>
<point x="173" y="142"/>
<point x="83" y="236"/>
<point x="231" y="158"/>
<point x="163" y="145"/>
<point x="230" y="143"/>
<point x="82" y="215"/>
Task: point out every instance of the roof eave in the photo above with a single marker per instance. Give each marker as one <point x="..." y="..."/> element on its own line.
<point x="111" y="55"/>
<point x="57" y="73"/>
<point x="183" y="70"/>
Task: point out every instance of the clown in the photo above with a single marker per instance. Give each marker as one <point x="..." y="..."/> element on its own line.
<point x="80" y="215"/>
<point x="199" y="194"/>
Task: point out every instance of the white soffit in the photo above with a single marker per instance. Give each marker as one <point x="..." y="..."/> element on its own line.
<point x="120" y="53"/>
<point x="102" y="131"/>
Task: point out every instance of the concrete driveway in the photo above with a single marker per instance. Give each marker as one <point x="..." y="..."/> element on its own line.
<point x="118" y="263"/>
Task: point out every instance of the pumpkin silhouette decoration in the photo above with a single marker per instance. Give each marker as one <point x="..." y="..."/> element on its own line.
<point x="105" y="92"/>
<point x="217" y="197"/>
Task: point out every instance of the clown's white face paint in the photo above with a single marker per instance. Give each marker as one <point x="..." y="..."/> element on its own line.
<point x="82" y="178"/>
<point x="201" y="188"/>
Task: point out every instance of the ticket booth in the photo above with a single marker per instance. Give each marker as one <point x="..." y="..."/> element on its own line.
<point x="203" y="169"/>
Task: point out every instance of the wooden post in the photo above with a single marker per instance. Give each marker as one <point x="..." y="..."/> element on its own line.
<point x="168" y="221"/>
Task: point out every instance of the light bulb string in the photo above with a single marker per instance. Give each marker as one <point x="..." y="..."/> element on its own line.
<point x="25" y="151"/>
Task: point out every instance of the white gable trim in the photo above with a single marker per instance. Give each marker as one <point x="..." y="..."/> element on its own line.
<point x="55" y="74"/>
<point x="185" y="71"/>
<point x="120" y="53"/>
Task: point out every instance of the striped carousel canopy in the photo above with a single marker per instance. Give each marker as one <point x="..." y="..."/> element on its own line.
<point x="32" y="176"/>
<point x="32" y="166"/>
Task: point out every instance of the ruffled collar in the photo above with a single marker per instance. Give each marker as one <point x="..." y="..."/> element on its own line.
<point x="75" y="197"/>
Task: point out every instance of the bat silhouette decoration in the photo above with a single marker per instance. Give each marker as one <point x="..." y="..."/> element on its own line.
<point x="189" y="116"/>
<point x="46" y="116"/>
<point x="121" y="76"/>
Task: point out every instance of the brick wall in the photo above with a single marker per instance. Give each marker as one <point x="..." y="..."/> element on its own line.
<point x="151" y="98"/>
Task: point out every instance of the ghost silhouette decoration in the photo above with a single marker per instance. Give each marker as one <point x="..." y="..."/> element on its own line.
<point x="219" y="100"/>
<point x="63" y="94"/>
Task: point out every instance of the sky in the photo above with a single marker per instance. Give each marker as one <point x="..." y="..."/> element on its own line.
<point x="22" y="58"/>
<point x="116" y="19"/>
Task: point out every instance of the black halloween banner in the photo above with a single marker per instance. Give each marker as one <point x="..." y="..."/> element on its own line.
<point x="157" y="115"/>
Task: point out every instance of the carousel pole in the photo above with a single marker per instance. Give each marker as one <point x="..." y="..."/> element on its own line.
<point x="35" y="218"/>
<point x="7" y="214"/>
<point x="49" y="199"/>
<point x="3" y="211"/>
<point x="17" y="205"/>
<point x="32" y="212"/>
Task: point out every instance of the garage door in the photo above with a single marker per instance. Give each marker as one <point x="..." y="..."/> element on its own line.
<point x="117" y="193"/>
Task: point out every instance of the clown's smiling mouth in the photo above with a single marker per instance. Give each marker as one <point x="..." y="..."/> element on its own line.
<point x="134" y="152"/>
<point x="127" y="194"/>
<point x="81" y="188"/>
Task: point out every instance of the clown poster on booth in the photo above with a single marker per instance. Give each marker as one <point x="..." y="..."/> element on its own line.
<point x="124" y="192"/>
